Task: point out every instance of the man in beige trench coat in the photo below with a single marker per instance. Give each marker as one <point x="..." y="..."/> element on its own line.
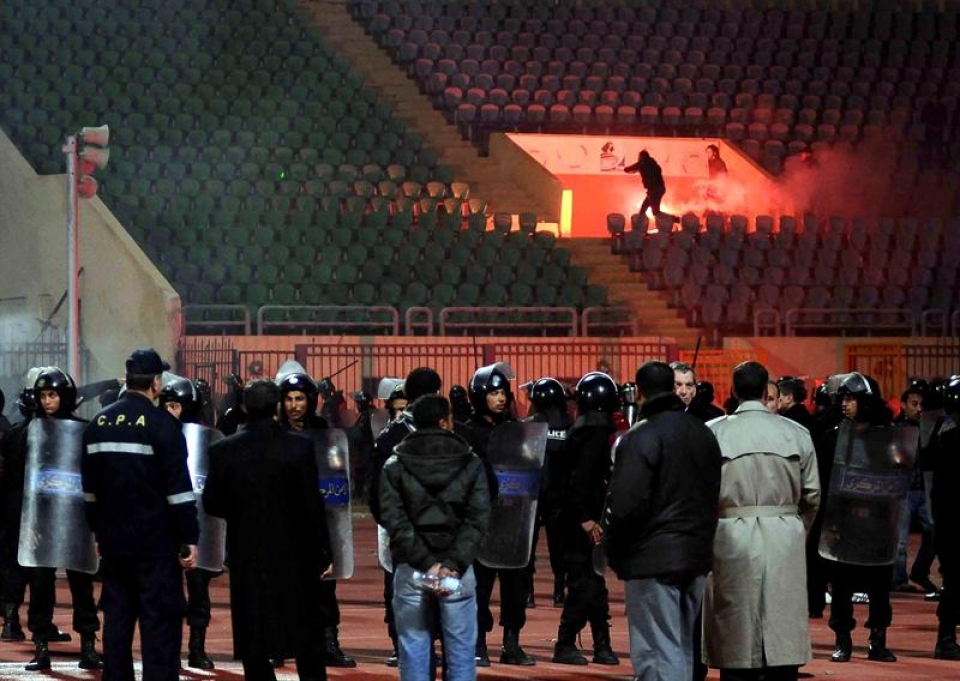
<point x="755" y="606"/>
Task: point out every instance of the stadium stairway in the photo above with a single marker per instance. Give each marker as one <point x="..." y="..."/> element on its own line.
<point x="483" y="174"/>
<point x="628" y="289"/>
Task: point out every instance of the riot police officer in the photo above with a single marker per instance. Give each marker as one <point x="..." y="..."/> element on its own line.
<point x="55" y="396"/>
<point x="492" y="399"/>
<point x="862" y="404"/>
<point x="182" y="399"/>
<point x="298" y="412"/>
<point x="945" y="462"/>
<point x="548" y="397"/>
<point x="585" y="480"/>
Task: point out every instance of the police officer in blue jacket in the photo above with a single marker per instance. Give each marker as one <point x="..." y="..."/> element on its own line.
<point x="142" y="510"/>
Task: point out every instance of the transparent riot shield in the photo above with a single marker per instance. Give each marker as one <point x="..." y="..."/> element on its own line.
<point x="379" y="420"/>
<point x="384" y="557"/>
<point x="53" y="526"/>
<point x="333" y="463"/>
<point x="871" y="473"/>
<point x="212" y="546"/>
<point x="516" y="452"/>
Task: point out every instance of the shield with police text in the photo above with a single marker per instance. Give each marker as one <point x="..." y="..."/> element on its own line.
<point x="333" y="463"/>
<point x="212" y="546"/>
<point x="515" y="451"/>
<point x="872" y="468"/>
<point x="53" y="527"/>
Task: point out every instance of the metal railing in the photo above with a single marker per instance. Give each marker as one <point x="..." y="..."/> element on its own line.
<point x="933" y="322"/>
<point x="418" y="318"/>
<point x="766" y="319"/>
<point x="376" y="319"/>
<point x="622" y="321"/>
<point x="208" y="320"/>
<point x="516" y="320"/>
<point x="849" y="321"/>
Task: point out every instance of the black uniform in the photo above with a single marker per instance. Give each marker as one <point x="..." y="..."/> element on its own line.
<point x="944" y="453"/>
<point x="514" y="587"/>
<point x="42" y="581"/>
<point x="142" y="509"/>
<point x="586" y="480"/>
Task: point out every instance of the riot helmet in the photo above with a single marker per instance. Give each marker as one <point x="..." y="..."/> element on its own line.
<point x="459" y="403"/>
<point x="396" y="401"/>
<point x="59" y="381"/>
<point x="866" y="392"/>
<point x="182" y="391"/>
<point x="596" y="391"/>
<point x="951" y="395"/>
<point x="326" y="388"/>
<point x="486" y="380"/>
<point x="705" y="394"/>
<point x="363" y="400"/>
<point x="548" y="393"/>
<point x="301" y="382"/>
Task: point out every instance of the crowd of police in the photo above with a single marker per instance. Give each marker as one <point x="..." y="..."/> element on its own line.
<point x="550" y="469"/>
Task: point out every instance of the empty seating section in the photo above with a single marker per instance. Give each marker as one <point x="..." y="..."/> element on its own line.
<point x="771" y="79"/>
<point x="720" y="272"/>
<point x="249" y="161"/>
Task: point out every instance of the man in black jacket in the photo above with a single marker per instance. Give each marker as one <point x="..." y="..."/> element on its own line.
<point x="661" y="518"/>
<point x="263" y="482"/>
<point x="652" y="178"/>
<point x="435" y="504"/>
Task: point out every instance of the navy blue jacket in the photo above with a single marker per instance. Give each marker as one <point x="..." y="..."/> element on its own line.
<point x="140" y="501"/>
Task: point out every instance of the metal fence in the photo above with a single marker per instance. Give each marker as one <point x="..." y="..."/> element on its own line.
<point x="894" y="364"/>
<point x="357" y="366"/>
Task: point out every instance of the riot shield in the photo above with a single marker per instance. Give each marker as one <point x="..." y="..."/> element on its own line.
<point x="384" y="557"/>
<point x="53" y="526"/>
<point x="516" y="451"/>
<point x="379" y="419"/>
<point x="332" y="453"/>
<point x="871" y="473"/>
<point x="212" y="546"/>
<point x="928" y="421"/>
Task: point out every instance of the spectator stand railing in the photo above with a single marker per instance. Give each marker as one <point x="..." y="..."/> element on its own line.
<point x="379" y="319"/>
<point x="519" y="321"/>
<point x="766" y="322"/>
<point x="219" y="318"/>
<point x="849" y="321"/>
<point x="418" y="321"/>
<point x="609" y="321"/>
<point x="934" y="322"/>
<point x="955" y="323"/>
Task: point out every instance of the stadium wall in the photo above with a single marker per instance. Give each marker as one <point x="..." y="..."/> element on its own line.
<point x="125" y="301"/>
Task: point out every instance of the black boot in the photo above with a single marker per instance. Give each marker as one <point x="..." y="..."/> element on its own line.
<point x="512" y="653"/>
<point x="559" y="597"/>
<point x="877" y="650"/>
<point x="12" y="631"/>
<point x="89" y="657"/>
<point x="844" y="647"/>
<point x="947" y="648"/>
<point x="41" y="659"/>
<point x="333" y="656"/>
<point x="602" y="650"/>
<point x="197" y="649"/>
<point x="566" y="651"/>
<point x="394" y="658"/>
<point x="483" y="658"/>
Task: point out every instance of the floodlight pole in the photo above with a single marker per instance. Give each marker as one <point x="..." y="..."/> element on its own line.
<point x="73" y="260"/>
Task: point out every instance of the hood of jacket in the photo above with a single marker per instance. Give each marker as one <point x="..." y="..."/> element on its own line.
<point x="433" y="456"/>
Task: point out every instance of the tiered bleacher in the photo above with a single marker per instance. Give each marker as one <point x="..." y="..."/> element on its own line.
<point x="770" y="79"/>
<point x="252" y="164"/>
<point x="832" y="276"/>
